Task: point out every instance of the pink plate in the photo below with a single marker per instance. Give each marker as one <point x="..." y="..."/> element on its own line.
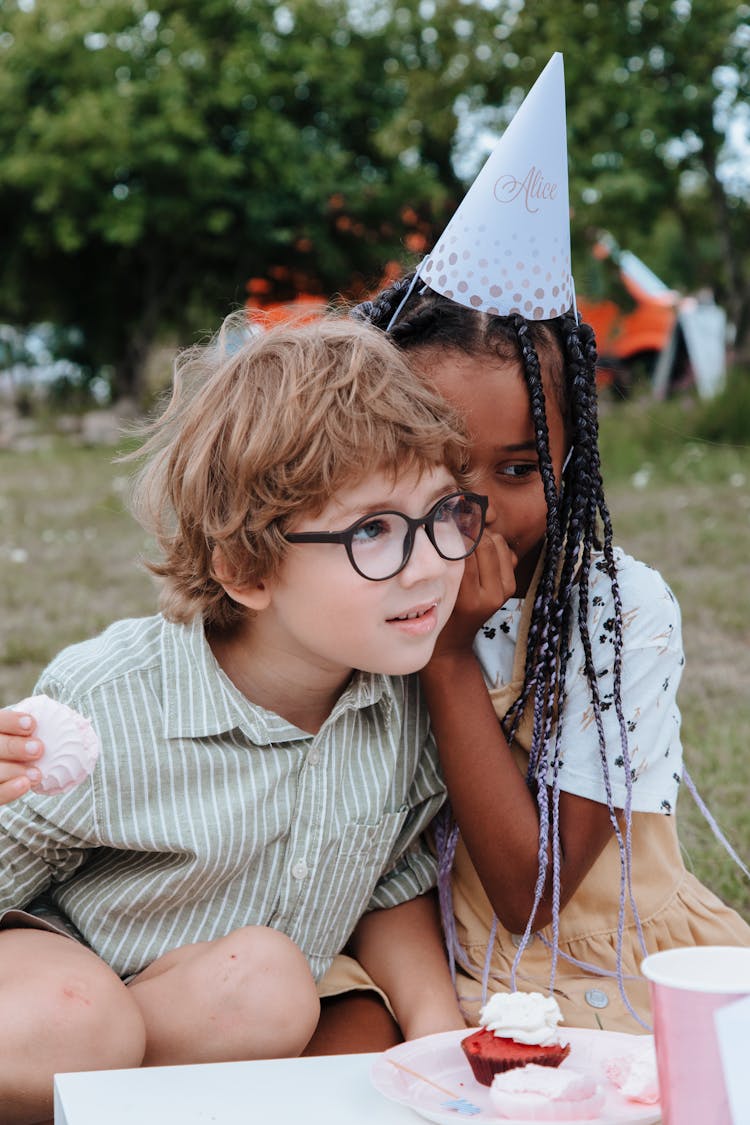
<point x="451" y="1095"/>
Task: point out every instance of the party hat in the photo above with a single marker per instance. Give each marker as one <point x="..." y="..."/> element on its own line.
<point x="507" y="247"/>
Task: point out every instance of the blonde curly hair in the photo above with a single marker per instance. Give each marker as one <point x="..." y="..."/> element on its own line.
<point x="257" y="432"/>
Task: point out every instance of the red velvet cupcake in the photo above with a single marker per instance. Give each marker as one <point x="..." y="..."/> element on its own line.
<point x="489" y="1055"/>
<point x="518" y="1028"/>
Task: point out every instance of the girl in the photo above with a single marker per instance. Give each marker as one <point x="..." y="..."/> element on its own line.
<point x="561" y="864"/>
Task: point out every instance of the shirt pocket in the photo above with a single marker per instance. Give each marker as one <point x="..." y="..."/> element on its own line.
<point x="350" y="872"/>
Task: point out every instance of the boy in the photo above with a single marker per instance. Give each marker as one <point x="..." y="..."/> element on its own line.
<point x="266" y="768"/>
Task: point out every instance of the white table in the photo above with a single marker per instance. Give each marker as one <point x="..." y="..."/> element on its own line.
<point x="330" y="1090"/>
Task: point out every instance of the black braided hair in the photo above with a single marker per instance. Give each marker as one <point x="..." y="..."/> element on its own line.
<point x="578" y="524"/>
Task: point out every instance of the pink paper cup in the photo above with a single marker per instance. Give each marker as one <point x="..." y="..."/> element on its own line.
<point x="687" y="987"/>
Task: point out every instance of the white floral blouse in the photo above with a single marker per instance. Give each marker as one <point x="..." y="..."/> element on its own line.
<point x="652" y="666"/>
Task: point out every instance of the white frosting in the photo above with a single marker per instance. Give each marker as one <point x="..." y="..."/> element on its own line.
<point x="71" y="745"/>
<point x="526" y="1017"/>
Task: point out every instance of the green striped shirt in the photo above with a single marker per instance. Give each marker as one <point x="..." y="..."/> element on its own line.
<point x="206" y="813"/>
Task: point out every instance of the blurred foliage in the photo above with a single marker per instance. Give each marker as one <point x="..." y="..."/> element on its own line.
<point x="158" y="154"/>
<point x="727" y="417"/>
<point x="652" y="96"/>
<point x="46" y="367"/>
<point x="682" y="440"/>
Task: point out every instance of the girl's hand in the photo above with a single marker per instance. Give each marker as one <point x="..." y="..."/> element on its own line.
<point x="18" y="751"/>
<point x="488" y="581"/>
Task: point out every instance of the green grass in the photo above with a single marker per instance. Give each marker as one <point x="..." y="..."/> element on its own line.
<point x="69" y="556"/>
<point x="682" y="503"/>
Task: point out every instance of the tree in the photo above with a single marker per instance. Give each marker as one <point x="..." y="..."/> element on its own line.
<point x="652" y="96"/>
<point x="158" y="155"/>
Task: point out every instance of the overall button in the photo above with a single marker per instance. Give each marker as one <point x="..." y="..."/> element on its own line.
<point x="596" y="998"/>
<point x="314" y="756"/>
<point x="299" y="869"/>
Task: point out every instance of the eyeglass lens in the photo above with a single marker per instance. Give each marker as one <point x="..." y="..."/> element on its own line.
<point x="381" y="544"/>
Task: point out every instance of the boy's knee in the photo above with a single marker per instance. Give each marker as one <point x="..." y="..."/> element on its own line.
<point x="263" y="971"/>
<point x="62" y="1009"/>
<point x="253" y="988"/>
<point x="84" y="1014"/>
<point x="92" y="1006"/>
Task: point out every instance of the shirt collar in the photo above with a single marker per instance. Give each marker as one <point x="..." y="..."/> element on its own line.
<point x="199" y="700"/>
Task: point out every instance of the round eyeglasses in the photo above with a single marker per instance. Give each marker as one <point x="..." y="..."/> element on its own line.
<point x="379" y="545"/>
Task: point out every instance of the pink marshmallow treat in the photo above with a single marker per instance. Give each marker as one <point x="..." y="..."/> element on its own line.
<point x="635" y="1074"/>
<point x="71" y="745"/>
<point x="545" y="1093"/>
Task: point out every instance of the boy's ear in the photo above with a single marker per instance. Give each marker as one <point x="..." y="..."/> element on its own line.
<point x="256" y="595"/>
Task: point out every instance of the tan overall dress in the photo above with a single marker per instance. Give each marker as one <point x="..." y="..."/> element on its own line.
<point x="674" y="909"/>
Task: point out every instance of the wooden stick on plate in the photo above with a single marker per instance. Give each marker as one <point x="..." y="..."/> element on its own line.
<point x="422" y="1078"/>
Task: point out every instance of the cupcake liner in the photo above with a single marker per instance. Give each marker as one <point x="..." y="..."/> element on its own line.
<point x="489" y="1055"/>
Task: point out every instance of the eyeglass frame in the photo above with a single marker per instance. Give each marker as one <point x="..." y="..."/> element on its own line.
<point x="413" y="525"/>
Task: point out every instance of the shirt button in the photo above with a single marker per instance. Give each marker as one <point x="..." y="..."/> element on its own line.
<point x="596" y="998"/>
<point x="299" y="869"/>
<point x="518" y="938"/>
<point x="314" y="756"/>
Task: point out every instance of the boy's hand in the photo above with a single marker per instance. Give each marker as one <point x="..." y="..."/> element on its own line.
<point x="18" y="752"/>
<point x="488" y="581"/>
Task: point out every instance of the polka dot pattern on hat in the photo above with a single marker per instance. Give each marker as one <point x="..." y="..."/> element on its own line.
<point x="499" y="276"/>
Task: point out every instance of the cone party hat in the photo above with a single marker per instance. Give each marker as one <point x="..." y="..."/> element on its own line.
<point x="507" y="247"/>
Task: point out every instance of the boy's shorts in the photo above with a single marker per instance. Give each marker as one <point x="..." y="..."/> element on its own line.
<point x="347" y="975"/>
<point x="41" y="914"/>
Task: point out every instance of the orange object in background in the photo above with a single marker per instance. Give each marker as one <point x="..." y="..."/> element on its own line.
<point x="632" y="311"/>
<point x="266" y="305"/>
<point x="289" y="295"/>
<point x="303" y="308"/>
<point x="634" y="324"/>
